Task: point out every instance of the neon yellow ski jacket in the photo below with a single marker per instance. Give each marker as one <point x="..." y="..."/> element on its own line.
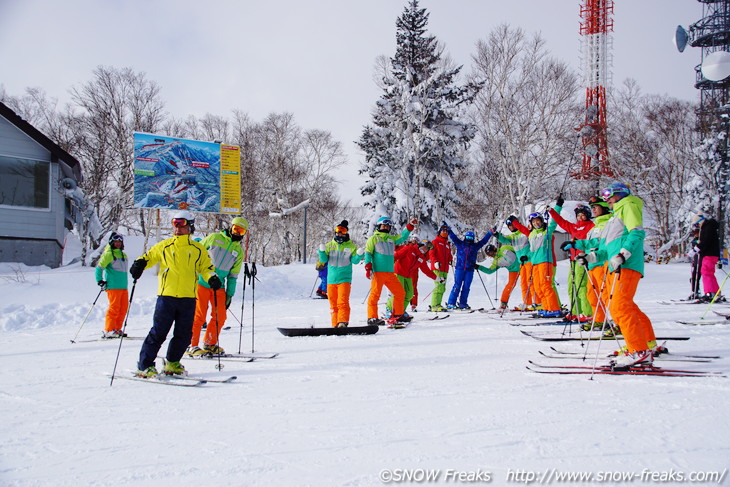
<point x="181" y="260"/>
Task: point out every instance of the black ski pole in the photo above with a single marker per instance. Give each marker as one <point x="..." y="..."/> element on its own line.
<point x="219" y="366"/>
<point x="608" y="304"/>
<point x="243" y="302"/>
<point x="485" y="287"/>
<point x="73" y="340"/>
<point x="314" y="285"/>
<point x="253" y="304"/>
<point x="124" y="329"/>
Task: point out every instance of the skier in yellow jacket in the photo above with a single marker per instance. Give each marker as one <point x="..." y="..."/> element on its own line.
<point x="181" y="260"/>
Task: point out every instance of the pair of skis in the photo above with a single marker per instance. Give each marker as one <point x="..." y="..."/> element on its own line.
<point x="175" y="380"/>
<point x="635" y="370"/>
<point x="608" y="370"/>
<point x="552" y="337"/>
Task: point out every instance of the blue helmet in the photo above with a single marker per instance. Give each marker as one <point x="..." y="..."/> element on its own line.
<point x="384" y="220"/>
<point x="537" y="214"/>
<point x="615" y="189"/>
<point x="469" y="236"/>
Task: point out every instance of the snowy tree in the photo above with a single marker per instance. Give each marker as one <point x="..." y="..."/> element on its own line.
<point x="113" y="105"/>
<point x="652" y="141"/>
<point x="417" y="141"/>
<point x="526" y="113"/>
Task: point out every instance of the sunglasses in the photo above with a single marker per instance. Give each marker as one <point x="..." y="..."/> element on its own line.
<point x="237" y="230"/>
<point x="179" y="222"/>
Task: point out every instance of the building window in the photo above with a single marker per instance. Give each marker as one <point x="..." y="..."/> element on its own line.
<point x="24" y="182"/>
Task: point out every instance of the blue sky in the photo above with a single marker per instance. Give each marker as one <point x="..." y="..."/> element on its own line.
<point x="312" y="58"/>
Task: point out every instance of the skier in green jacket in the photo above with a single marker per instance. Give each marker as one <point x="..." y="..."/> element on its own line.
<point x="111" y="274"/>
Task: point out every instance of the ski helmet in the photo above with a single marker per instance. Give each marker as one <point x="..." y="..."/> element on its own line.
<point x="615" y="189"/>
<point x="598" y="201"/>
<point x="471" y="236"/>
<point x="583" y="209"/>
<point x="239" y="221"/>
<point x="184" y="218"/>
<point x="425" y="243"/>
<point x="383" y="221"/>
<point x="115" y="237"/>
<point x="490" y="250"/>
<point x="536" y="214"/>
<point x="510" y="220"/>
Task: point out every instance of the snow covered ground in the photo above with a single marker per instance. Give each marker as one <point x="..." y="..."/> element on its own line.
<point x="440" y="398"/>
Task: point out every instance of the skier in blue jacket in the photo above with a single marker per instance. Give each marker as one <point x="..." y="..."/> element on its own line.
<point x="467" y="251"/>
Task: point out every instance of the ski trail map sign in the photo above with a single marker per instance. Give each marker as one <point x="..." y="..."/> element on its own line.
<point x="176" y="174"/>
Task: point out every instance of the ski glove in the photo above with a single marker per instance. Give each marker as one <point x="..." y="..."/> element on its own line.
<point x="368" y="270"/>
<point x="215" y="283"/>
<point x="360" y="251"/>
<point x="440" y="280"/>
<point x="618" y="260"/>
<point x="560" y="201"/>
<point x="523" y="259"/>
<point x="581" y="259"/>
<point x="101" y="283"/>
<point x="228" y="301"/>
<point x="322" y="248"/>
<point x="137" y="268"/>
<point x="567" y="245"/>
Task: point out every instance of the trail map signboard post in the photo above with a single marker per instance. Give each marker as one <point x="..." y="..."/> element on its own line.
<point x="175" y="174"/>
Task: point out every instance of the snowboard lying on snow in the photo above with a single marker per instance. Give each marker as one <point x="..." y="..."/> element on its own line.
<point x="328" y="331"/>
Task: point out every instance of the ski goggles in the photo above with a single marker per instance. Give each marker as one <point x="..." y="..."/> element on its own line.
<point x="608" y="192"/>
<point x="387" y="221"/>
<point x="180" y="222"/>
<point x="117" y="238"/>
<point x="238" y="230"/>
<point x="535" y="215"/>
<point x="341" y="230"/>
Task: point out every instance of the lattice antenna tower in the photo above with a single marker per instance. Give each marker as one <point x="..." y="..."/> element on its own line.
<point x="596" y="26"/>
<point x="712" y="35"/>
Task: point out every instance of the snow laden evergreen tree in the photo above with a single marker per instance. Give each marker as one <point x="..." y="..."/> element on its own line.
<point x="416" y="141"/>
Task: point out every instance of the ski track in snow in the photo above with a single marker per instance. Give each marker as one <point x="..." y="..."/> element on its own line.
<point x="335" y="411"/>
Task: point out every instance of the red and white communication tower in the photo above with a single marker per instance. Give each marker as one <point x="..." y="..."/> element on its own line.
<point x="596" y="24"/>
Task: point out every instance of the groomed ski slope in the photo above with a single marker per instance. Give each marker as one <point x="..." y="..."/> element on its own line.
<point x="448" y="397"/>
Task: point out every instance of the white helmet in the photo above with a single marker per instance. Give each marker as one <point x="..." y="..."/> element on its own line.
<point x="185" y="215"/>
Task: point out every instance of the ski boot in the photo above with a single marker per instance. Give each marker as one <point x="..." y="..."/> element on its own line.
<point x="147" y="373"/>
<point x="174" y="368"/>
<point x="213" y="350"/>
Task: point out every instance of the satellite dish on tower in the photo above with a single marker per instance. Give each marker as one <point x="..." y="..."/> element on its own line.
<point x="716" y="66"/>
<point x="680" y="38"/>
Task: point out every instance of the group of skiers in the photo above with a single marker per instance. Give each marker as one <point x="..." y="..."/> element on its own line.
<point x="190" y="281"/>
<point x="606" y="263"/>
